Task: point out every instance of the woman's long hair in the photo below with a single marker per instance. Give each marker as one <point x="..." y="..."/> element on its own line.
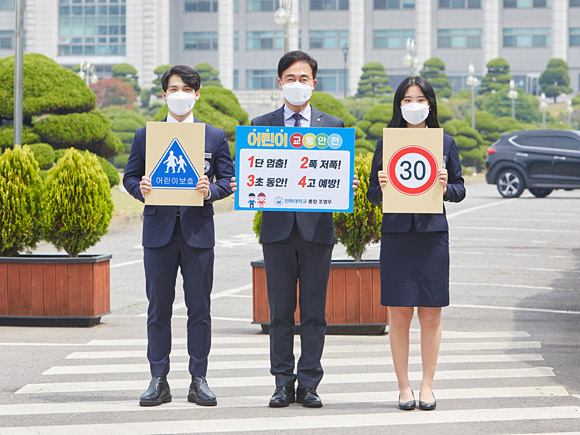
<point x="397" y="119"/>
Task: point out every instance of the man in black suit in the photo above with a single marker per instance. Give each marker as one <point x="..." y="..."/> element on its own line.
<point x="297" y="247"/>
<point x="180" y="237"/>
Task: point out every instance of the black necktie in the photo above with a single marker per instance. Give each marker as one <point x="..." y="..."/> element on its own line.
<point x="297" y="117"/>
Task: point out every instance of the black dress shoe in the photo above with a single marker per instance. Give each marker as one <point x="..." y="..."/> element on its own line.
<point x="200" y="393"/>
<point x="157" y="393"/>
<point x="427" y="406"/>
<point x="407" y="406"/>
<point x="283" y="396"/>
<point x="308" y="397"/>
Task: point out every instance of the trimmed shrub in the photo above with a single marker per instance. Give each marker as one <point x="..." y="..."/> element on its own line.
<point x="47" y="88"/>
<point x="444" y="113"/>
<point x="357" y="229"/>
<point x="208" y="74"/>
<point x="328" y="104"/>
<point x="526" y="105"/>
<point x="434" y="71"/>
<point x="7" y="136"/>
<point x="120" y="161"/>
<point x="110" y="171"/>
<point x="44" y="154"/>
<point x="497" y="77"/>
<point x="469" y="142"/>
<point x="79" y="130"/>
<point x="373" y="81"/>
<point x="77" y="205"/>
<point x="20" y="187"/>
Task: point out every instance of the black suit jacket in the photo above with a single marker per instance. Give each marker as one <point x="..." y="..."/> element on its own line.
<point x="315" y="227"/>
<point x="196" y="222"/>
<point x="424" y="222"/>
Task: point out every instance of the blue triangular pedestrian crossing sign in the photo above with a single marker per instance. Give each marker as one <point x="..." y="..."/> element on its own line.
<point x="174" y="170"/>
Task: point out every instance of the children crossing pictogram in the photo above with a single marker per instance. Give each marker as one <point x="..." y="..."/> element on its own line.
<point x="174" y="170"/>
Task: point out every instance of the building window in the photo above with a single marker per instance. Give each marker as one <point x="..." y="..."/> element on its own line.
<point x="329" y="5"/>
<point x="262" y="5"/>
<point x="201" y="5"/>
<point x="328" y="39"/>
<point x="392" y="39"/>
<point x="87" y="29"/>
<point x="262" y="79"/>
<point x="530" y="37"/>
<point x="459" y="38"/>
<point x="269" y="40"/>
<point x="393" y="4"/>
<point x="574" y="3"/>
<point x="236" y="40"/>
<point x="574" y="36"/>
<point x="200" y="40"/>
<point x="236" y="79"/>
<point x="459" y="4"/>
<point x="6" y="39"/>
<point x="330" y="80"/>
<point x="6" y="5"/>
<point x="236" y="5"/>
<point x="524" y="4"/>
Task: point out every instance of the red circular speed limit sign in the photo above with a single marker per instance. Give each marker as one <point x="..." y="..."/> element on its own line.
<point x="412" y="170"/>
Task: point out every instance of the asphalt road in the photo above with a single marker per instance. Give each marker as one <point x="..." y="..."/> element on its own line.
<point x="508" y="364"/>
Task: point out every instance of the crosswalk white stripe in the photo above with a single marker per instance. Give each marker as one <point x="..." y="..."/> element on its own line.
<point x="256" y="381"/>
<point x="415" y="347"/>
<point x="261" y="401"/>
<point x="265" y="364"/>
<point x="329" y="339"/>
<point x="318" y="421"/>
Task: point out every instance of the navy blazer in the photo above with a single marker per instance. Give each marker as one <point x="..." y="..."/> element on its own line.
<point x="424" y="222"/>
<point x="196" y="222"/>
<point x="315" y="227"/>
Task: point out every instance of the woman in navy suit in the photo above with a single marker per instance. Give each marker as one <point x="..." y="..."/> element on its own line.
<point x="415" y="248"/>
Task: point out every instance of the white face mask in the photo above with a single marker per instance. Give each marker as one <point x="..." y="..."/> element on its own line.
<point x="415" y="113"/>
<point x="297" y="93"/>
<point x="180" y="103"/>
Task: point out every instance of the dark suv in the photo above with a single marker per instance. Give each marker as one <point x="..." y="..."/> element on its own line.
<point x="540" y="160"/>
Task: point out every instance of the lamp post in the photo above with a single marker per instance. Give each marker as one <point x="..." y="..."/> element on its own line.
<point x="512" y="95"/>
<point x="410" y="59"/>
<point x="472" y="82"/>
<point x="285" y="17"/>
<point x="345" y="52"/>
<point x="18" y="71"/>
<point x="87" y="73"/>
<point x="570" y="111"/>
<point x="543" y="107"/>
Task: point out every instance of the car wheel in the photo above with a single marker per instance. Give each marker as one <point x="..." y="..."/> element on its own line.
<point x="510" y="183"/>
<point x="540" y="193"/>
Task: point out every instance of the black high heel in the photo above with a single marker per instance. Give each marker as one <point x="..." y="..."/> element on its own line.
<point x="407" y="406"/>
<point x="427" y="406"/>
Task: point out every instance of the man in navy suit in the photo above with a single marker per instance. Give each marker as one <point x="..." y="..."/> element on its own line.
<point x="181" y="237"/>
<point x="297" y="247"/>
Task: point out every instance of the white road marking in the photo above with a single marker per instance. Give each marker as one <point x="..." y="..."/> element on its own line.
<point x="318" y="421"/>
<point x="255" y="381"/>
<point x="479" y="207"/>
<point x="534" y="310"/>
<point x="126" y="263"/>
<point x="265" y="364"/>
<point x="265" y="350"/>
<point x="260" y="401"/>
<point x="527" y="230"/>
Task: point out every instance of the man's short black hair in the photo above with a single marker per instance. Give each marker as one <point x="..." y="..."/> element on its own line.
<point x="189" y="76"/>
<point x="296" y="56"/>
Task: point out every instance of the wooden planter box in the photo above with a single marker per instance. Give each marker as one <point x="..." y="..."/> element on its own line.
<point x="352" y="300"/>
<point x="54" y="290"/>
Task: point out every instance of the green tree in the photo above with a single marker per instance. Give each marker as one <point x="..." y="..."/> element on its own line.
<point x="375" y="120"/>
<point x="159" y="71"/>
<point x="497" y="77"/>
<point x="469" y="142"/>
<point x="77" y="205"/>
<point x="58" y="107"/>
<point x="555" y="80"/>
<point x="363" y="226"/>
<point x="328" y="104"/>
<point x="128" y="74"/>
<point x="373" y="81"/>
<point x="209" y="75"/>
<point x="20" y="187"/>
<point x="434" y="71"/>
<point x="526" y="105"/>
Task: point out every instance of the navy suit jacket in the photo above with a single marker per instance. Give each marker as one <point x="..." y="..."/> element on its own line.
<point x="196" y="222"/>
<point x="424" y="222"/>
<point x="315" y="227"/>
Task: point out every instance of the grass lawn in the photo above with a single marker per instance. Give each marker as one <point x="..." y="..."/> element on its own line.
<point x="125" y="204"/>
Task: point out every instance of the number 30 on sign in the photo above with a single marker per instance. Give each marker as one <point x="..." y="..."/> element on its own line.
<point x="412" y="170"/>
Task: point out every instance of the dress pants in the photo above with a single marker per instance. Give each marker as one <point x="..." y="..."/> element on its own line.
<point x="287" y="262"/>
<point x="196" y="266"/>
